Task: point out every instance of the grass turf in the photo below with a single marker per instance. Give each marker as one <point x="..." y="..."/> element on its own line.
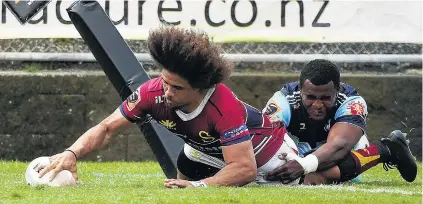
<point x="142" y="182"/>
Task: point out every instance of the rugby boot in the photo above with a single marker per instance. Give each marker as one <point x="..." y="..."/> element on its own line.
<point x="400" y="155"/>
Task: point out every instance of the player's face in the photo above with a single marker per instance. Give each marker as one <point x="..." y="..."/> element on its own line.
<point x="318" y="99"/>
<point x="178" y="92"/>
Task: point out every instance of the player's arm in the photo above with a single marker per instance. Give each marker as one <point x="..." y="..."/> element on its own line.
<point x="240" y="168"/>
<point x="237" y="149"/>
<point x="350" y="125"/>
<point x="96" y="137"/>
<point x="99" y="136"/>
<point x="343" y="138"/>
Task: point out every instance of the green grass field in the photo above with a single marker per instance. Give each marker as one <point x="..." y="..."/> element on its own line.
<point x="142" y="182"/>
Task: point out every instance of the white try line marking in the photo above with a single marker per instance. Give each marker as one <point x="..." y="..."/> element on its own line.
<point x="355" y="189"/>
<point x="331" y="187"/>
<point x="345" y="188"/>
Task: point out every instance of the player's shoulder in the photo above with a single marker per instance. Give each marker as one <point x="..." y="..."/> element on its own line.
<point x="151" y="90"/>
<point x="224" y="99"/>
<point x="347" y="90"/>
<point x="347" y="94"/>
<point x="153" y="85"/>
<point x="352" y="105"/>
<point x="290" y="94"/>
<point x="290" y="88"/>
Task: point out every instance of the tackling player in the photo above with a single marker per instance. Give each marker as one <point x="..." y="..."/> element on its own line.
<point x="327" y="119"/>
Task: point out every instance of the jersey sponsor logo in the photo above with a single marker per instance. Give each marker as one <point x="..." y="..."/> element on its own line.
<point x="168" y="124"/>
<point x="159" y="99"/>
<point x="133" y="100"/>
<point x="205" y="136"/>
<point x="271" y="108"/>
<point x="235" y="132"/>
<point x="355" y="108"/>
<point x="302" y="126"/>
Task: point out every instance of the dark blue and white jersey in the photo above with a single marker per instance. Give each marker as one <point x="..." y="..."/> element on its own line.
<point x="286" y="106"/>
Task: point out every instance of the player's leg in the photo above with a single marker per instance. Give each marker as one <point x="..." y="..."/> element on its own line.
<point x="194" y="165"/>
<point x="333" y="175"/>
<point x="346" y="169"/>
<point x="361" y="144"/>
<point x="392" y="151"/>
<point x="329" y="176"/>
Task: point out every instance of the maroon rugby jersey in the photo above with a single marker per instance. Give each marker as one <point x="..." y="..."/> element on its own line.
<point x="220" y="120"/>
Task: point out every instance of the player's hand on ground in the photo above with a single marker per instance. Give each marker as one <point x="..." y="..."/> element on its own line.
<point x="177" y="183"/>
<point x="288" y="172"/>
<point x="62" y="161"/>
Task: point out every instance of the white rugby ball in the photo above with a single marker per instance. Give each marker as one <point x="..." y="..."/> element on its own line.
<point x="63" y="178"/>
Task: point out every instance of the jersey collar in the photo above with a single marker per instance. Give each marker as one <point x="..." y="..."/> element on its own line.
<point x="197" y="111"/>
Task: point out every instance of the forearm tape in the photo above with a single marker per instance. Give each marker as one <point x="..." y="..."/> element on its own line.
<point x="309" y="163"/>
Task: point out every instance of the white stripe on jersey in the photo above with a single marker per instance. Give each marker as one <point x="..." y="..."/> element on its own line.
<point x="262" y="145"/>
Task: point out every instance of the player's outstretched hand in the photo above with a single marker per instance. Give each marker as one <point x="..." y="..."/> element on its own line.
<point x="62" y="161"/>
<point x="288" y="172"/>
<point x="177" y="183"/>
